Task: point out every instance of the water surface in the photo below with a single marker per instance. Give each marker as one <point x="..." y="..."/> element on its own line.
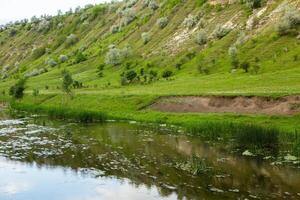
<point x="48" y="159"/>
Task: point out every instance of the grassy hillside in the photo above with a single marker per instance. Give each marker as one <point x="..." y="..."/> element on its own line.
<point x="123" y="55"/>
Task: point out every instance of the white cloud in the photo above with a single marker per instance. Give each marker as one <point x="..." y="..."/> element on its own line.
<point x="11" y="10"/>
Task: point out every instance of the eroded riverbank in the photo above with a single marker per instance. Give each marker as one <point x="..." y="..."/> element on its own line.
<point x="289" y="105"/>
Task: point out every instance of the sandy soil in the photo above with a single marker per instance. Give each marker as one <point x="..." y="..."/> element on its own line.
<point x="244" y="105"/>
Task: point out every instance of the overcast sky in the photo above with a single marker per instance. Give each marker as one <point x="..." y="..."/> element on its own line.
<point x="11" y="10"/>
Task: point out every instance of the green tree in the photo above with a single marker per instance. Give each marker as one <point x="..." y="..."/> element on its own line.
<point x="17" y="90"/>
<point x="67" y="82"/>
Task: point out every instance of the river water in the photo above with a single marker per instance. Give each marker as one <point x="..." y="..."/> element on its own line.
<point x="59" y="160"/>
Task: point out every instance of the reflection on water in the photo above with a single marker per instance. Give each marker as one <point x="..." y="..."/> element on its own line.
<point x="43" y="159"/>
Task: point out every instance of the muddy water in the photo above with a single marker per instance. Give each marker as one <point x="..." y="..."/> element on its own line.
<point x="44" y="159"/>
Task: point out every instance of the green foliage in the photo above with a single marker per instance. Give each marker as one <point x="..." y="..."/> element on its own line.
<point x="63" y="58"/>
<point x="71" y="40"/>
<point x="253" y="3"/>
<point x="200" y="3"/>
<point x="35" y="92"/>
<point x="245" y="66"/>
<point x="190" y="21"/>
<point x="17" y="90"/>
<point x="146" y="37"/>
<point x="38" y="52"/>
<point x="113" y="56"/>
<point x="162" y="22"/>
<point x="167" y="73"/>
<point x="80" y="57"/>
<point x="51" y="62"/>
<point x="67" y="82"/>
<point x="289" y="21"/>
<point x="130" y="75"/>
<point x="220" y="32"/>
<point x="201" y="37"/>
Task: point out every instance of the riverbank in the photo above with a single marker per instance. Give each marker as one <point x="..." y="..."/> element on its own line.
<point x="89" y="107"/>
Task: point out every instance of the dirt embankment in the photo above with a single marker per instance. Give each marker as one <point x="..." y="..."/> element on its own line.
<point x="244" y="105"/>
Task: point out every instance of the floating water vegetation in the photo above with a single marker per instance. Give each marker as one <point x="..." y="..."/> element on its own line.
<point x="194" y="165"/>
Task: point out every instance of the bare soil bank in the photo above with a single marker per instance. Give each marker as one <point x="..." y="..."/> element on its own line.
<point x="244" y="105"/>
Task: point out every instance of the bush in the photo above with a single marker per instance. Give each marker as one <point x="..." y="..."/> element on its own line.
<point x="153" y="5"/>
<point x="71" y="40"/>
<point x="114" y="29"/>
<point x="80" y="57"/>
<point x="63" y="58"/>
<point x="146" y="37"/>
<point x="35" y="92"/>
<point x="35" y="72"/>
<point x="162" y="22"/>
<point x="113" y="56"/>
<point x="51" y="62"/>
<point x="220" y="32"/>
<point x="44" y="26"/>
<point x="190" y="21"/>
<point x="12" y="32"/>
<point x="201" y="37"/>
<point x="232" y="51"/>
<point x="167" y="74"/>
<point x="203" y="69"/>
<point x="17" y="90"/>
<point x="253" y="3"/>
<point x="245" y="66"/>
<point x="129" y="16"/>
<point x="38" y="52"/>
<point x="131" y="75"/>
<point x="290" y="20"/>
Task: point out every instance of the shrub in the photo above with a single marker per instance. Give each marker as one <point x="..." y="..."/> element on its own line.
<point x="153" y="5"/>
<point x="190" y="21"/>
<point x="162" y="22"/>
<point x="131" y="75"/>
<point x="232" y="51"/>
<point x="35" y="92"/>
<point x="114" y="29"/>
<point x="253" y="3"/>
<point x="201" y="37"/>
<point x="44" y="26"/>
<point x="126" y="52"/>
<point x="290" y="20"/>
<point x="38" y="52"/>
<point x="167" y="74"/>
<point x="35" y="72"/>
<point x="71" y="40"/>
<point x="242" y="38"/>
<point x="153" y="75"/>
<point x="129" y="16"/>
<point x="245" y="66"/>
<point x="17" y="90"/>
<point x="80" y="57"/>
<point x="131" y="3"/>
<point x="63" y="58"/>
<point x="12" y="32"/>
<point x="51" y="62"/>
<point x="220" y="32"/>
<point x="113" y="56"/>
<point x="77" y="84"/>
<point x="146" y="37"/>
<point x="203" y="69"/>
